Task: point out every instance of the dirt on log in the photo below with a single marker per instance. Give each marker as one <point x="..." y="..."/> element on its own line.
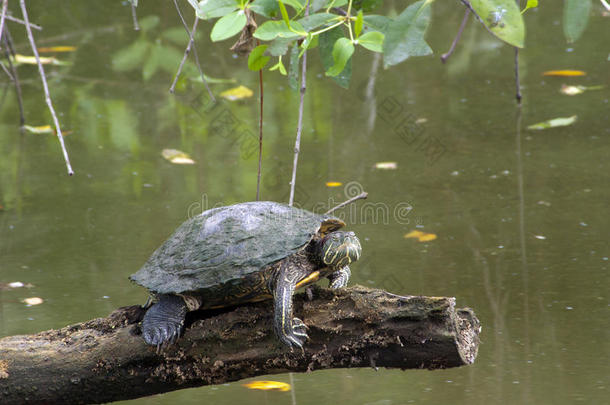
<point x="106" y="359"/>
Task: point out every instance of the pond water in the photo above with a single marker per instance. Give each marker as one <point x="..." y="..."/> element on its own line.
<point x="520" y="216"/>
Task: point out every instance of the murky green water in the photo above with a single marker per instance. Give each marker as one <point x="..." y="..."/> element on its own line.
<point x="521" y="216"/>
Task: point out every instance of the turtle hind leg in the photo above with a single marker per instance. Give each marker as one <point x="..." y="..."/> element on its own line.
<point x="164" y="320"/>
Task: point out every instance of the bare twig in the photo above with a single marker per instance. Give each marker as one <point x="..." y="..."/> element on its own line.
<point x="172" y="88"/>
<point x="10" y="52"/>
<point x="446" y="56"/>
<point x="134" y="15"/>
<point x="191" y="34"/>
<point x="46" y="87"/>
<point x="260" y="137"/>
<point x="517" y="81"/>
<point x="360" y="196"/>
<point x="297" y="143"/>
<point x="4" y="7"/>
<point x="26" y="23"/>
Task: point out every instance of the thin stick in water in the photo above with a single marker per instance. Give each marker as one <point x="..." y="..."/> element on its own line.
<point x="360" y="196"/>
<point x="20" y="21"/>
<point x="446" y="55"/>
<point x="297" y="143"/>
<point x="260" y="137"/>
<point x="4" y="7"/>
<point x="45" y="87"/>
<point x="172" y="88"/>
<point x="191" y="34"/>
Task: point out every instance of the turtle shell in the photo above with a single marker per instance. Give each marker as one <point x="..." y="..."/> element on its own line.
<point x="228" y="243"/>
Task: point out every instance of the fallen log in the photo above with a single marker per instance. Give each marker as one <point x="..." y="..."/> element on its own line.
<point x="106" y="359"/>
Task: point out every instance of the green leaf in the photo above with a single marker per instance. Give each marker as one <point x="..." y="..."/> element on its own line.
<point x="270" y="30"/>
<point x="575" y="18"/>
<point x="372" y="40"/>
<point x="327" y="42"/>
<point x="342" y="52"/>
<point x="358" y="24"/>
<point x="257" y="60"/>
<point x="530" y="4"/>
<point x="316" y="20"/>
<point x="377" y="22"/>
<point x="215" y="8"/>
<point x="293" y="69"/>
<point x="404" y="36"/>
<point x="555" y="122"/>
<point x="266" y="8"/>
<point x="229" y="25"/>
<point x="279" y="46"/>
<point x="502" y="18"/>
<point x="296" y="4"/>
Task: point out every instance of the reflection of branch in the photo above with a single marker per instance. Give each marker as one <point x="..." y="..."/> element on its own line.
<point x="136" y="27"/>
<point x="10" y="52"/>
<point x="191" y="34"/>
<point x="297" y="143"/>
<point x="46" y="87"/>
<point x="446" y="56"/>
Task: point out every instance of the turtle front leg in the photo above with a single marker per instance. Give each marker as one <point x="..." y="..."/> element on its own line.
<point x="339" y="278"/>
<point x="291" y="331"/>
<point x="164" y="320"/>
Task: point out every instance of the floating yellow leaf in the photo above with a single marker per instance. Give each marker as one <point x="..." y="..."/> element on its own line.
<point x="31" y="60"/>
<point x="39" y="130"/>
<point x="33" y="301"/>
<point x="568" y="73"/>
<point x="237" y="93"/>
<point x="333" y="184"/>
<point x="555" y="122"/>
<point x="421" y="236"/>
<point x="57" y="49"/>
<point x="177" y="157"/>
<point x="386" y="165"/>
<point x="268" y="386"/>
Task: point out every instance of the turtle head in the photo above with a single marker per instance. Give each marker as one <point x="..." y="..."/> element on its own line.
<point x="338" y="249"/>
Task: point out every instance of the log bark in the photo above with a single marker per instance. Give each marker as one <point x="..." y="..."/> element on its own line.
<point x="106" y="359"/>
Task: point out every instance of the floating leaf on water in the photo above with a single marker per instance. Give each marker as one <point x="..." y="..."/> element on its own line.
<point x="564" y="73"/>
<point x="555" y="122"/>
<point x="574" y="90"/>
<point x="32" y="301"/>
<point x="571" y="90"/>
<point x="541" y="237"/>
<point x="31" y="60"/>
<point x="421" y="121"/>
<point x="420" y="236"/>
<point x="268" y="386"/>
<point x="57" y="49"/>
<point x="177" y="157"/>
<point x="333" y="184"/>
<point x="237" y="93"/>
<point x="39" y="130"/>
<point x="16" y="284"/>
<point x="386" y="165"/>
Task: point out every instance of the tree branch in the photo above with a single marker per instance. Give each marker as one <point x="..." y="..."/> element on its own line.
<point x="106" y="359"/>
<point x="46" y="87"/>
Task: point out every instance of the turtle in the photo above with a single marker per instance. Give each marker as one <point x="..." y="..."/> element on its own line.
<point x="246" y="252"/>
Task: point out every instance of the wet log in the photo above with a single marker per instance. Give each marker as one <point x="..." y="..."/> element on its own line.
<point x="106" y="359"/>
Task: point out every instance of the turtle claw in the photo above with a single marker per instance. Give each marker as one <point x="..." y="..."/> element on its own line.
<point x="295" y="334"/>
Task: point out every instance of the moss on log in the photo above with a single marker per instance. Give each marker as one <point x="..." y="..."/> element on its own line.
<point x="105" y="359"/>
